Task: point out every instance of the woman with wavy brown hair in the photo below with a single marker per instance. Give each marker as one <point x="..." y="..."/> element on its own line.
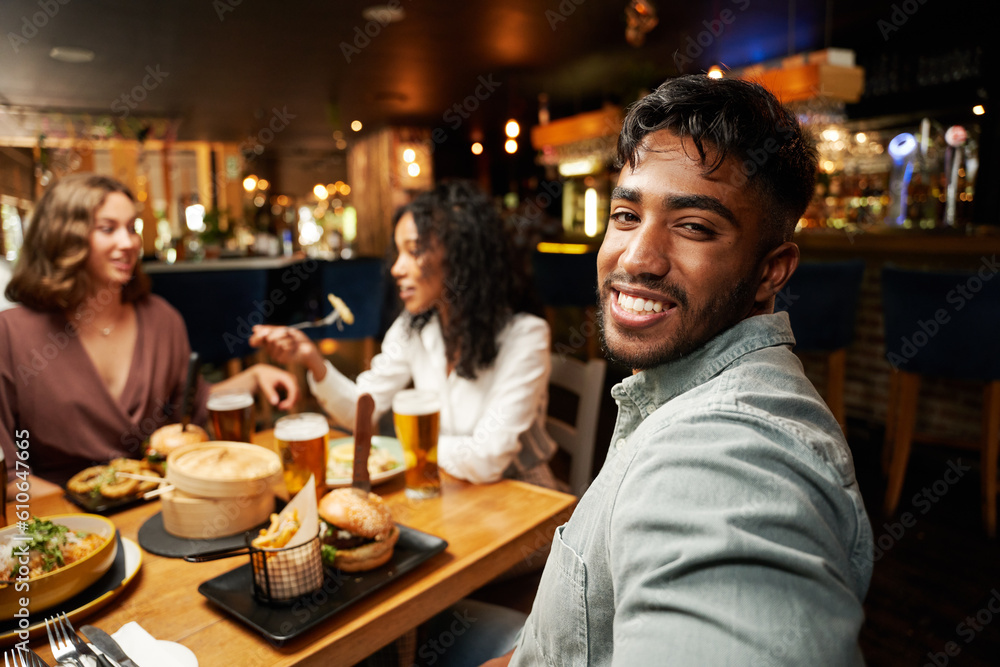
<point x="91" y="363"/>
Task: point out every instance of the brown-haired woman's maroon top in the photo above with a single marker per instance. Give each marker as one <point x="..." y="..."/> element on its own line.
<point x="52" y="395"/>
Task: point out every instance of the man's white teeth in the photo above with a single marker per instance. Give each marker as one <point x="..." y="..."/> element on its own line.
<point x="639" y="305"/>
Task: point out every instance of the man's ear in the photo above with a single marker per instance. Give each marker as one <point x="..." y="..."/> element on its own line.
<point x="775" y="270"/>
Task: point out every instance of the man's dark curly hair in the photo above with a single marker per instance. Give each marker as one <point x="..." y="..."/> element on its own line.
<point x="480" y="285"/>
<point x="732" y="118"/>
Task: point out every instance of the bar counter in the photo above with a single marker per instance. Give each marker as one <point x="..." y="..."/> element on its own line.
<point x="947" y="249"/>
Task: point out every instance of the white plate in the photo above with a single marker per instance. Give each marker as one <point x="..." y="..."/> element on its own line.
<point x="394" y="446"/>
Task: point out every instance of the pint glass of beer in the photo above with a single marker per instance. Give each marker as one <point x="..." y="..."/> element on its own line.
<point x="302" y="446"/>
<point x="232" y="415"/>
<point x="417" y="415"/>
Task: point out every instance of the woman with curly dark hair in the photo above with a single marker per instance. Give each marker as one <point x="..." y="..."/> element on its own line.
<point x="91" y="363"/>
<point x="460" y="335"/>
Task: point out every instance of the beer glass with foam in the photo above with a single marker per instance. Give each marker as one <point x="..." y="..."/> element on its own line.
<point x="417" y="415"/>
<point x="302" y="446"/>
<point x="232" y="415"/>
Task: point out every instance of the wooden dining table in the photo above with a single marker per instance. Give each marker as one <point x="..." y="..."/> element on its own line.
<point x="489" y="528"/>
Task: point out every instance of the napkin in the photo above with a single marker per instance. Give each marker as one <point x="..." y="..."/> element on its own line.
<point x="148" y="651"/>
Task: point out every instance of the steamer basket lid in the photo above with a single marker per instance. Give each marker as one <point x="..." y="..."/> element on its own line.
<point x="222" y="469"/>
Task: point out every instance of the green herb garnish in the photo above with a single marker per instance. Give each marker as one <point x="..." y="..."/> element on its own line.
<point x="47" y="538"/>
<point x="328" y="553"/>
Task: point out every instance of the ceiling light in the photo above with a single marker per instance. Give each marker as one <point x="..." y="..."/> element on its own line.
<point x="384" y="14"/>
<point x="409" y="155"/>
<point x="413" y="169"/>
<point x="250" y="183"/>
<point x="71" y="54"/>
<point x="510" y="146"/>
<point x="356" y="125"/>
<point x="477" y="148"/>
<point x="512" y="129"/>
<point x="640" y="18"/>
<point x="320" y="191"/>
<point x="979" y="109"/>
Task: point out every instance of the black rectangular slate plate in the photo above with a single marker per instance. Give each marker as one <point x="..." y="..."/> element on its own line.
<point x="233" y="591"/>
<point x="98" y="504"/>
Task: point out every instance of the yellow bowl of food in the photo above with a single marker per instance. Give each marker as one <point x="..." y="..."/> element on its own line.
<point x="52" y="560"/>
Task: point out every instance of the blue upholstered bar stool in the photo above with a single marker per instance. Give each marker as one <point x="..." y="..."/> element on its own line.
<point x="568" y="280"/>
<point x="821" y="300"/>
<point x="943" y="325"/>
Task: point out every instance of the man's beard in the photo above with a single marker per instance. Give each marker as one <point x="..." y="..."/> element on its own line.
<point x="725" y="309"/>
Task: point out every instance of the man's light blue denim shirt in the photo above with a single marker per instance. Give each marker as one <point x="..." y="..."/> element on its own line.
<point x="725" y="528"/>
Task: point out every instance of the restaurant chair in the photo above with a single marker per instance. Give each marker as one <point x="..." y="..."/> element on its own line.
<point x="569" y="281"/>
<point x="821" y="300"/>
<point x="941" y="325"/>
<point x="361" y="285"/>
<point x="585" y="380"/>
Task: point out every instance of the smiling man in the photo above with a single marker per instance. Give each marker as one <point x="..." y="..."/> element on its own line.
<point x="726" y="526"/>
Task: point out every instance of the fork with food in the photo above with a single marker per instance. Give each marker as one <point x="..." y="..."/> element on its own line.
<point x="340" y="315"/>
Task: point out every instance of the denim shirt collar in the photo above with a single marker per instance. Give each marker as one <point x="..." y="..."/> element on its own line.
<point x="651" y="388"/>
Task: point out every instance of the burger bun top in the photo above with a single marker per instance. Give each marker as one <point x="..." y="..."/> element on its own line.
<point x="353" y="510"/>
<point x="170" y="437"/>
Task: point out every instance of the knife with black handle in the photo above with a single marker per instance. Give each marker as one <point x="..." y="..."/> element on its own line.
<point x="108" y="646"/>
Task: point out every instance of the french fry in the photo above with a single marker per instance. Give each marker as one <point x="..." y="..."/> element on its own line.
<point x="278" y="533"/>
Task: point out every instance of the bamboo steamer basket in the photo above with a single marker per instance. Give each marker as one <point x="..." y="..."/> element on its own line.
<point x="194" y="517"/>
<point x="220" y="488"/>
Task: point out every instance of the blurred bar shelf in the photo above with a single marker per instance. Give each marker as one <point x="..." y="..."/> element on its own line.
<point x="242" y="263"/>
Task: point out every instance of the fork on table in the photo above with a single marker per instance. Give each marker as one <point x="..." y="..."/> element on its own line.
<point x="67" y="645"/>
<point x="22" y="658"/>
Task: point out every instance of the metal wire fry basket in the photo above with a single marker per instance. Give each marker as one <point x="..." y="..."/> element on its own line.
<point x="282" y="575"/>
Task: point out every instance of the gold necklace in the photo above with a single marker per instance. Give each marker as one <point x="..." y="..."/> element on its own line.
<point x="104" y="331"/>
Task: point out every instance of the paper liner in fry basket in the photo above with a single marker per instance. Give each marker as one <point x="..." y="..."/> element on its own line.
<point x="295" y="569"/>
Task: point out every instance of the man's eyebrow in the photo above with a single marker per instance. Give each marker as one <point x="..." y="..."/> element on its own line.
<point x="703" y="202"/>
<point x="628" y="194"/>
